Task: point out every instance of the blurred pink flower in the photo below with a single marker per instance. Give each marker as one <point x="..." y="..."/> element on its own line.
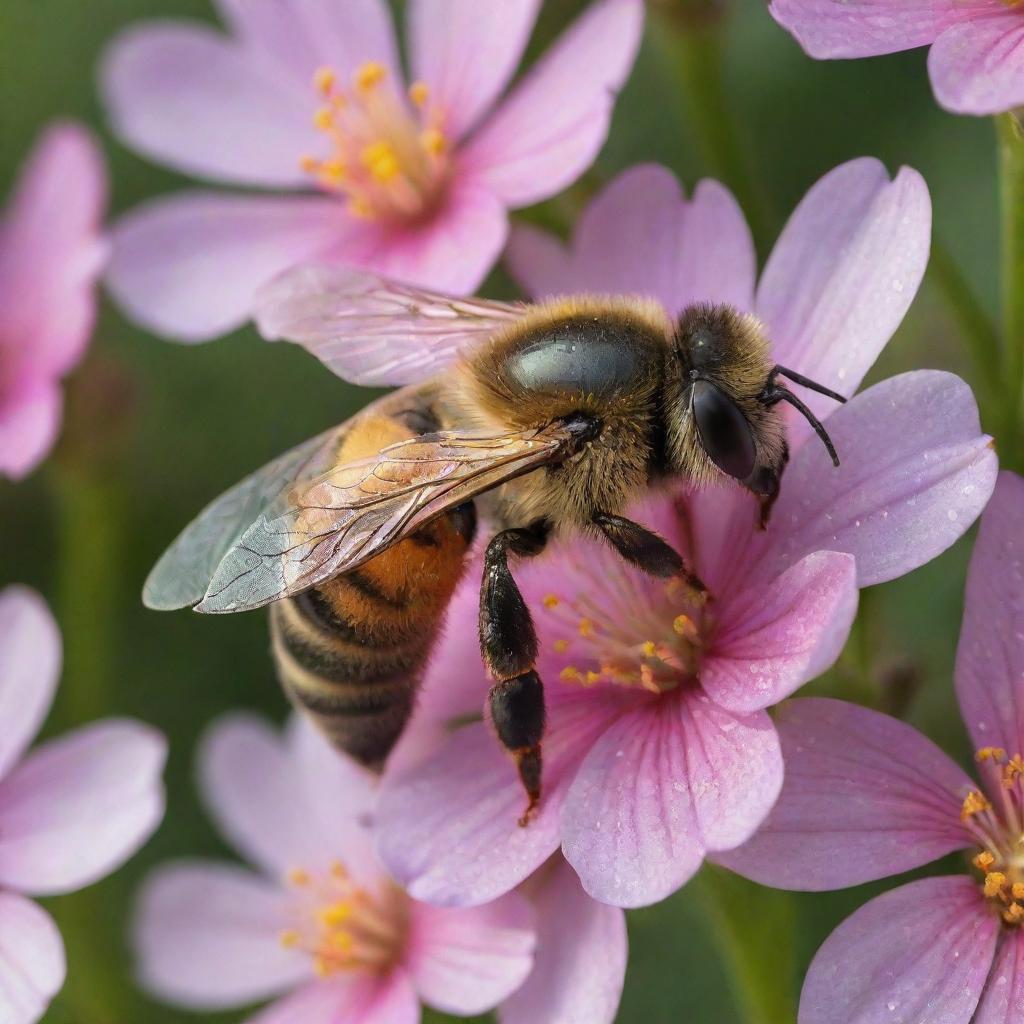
<point x="323" y="930"/>
<point x="659" y="748"/>
<point x="976" y="61"/>
<point x="868" y="796"/>
<point x="71" y="811"/>
<point x="416" y="188"/>
<point x="51" y="253"/>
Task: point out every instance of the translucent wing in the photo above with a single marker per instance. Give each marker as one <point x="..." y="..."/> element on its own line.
<point x="373" y="331"/>
<point x="182" y="575"/>
<point x="345" y="517"/>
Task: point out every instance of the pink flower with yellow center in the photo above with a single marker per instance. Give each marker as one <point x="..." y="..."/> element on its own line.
<point x="323" y="931"/>
<point x="868" y="796"/>
<point x="976" y="60"/>
<point x="659" y="748"/>
<point x="309" y="96"/>
<point x="51" y="254"/>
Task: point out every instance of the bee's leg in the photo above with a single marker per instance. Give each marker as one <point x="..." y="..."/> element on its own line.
<point x="508" y="643"/>
<point x="766" y="486"/>
<point x="646" y="550"/>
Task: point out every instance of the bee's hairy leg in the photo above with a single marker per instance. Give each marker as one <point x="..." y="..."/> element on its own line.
<point x="646" y="550"/>
<point x="508" y="643"/>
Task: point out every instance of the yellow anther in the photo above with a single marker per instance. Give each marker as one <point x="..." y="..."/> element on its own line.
<point x="682" y="625"/>
<point x="380" y="160"/>
<point x="551" y="601"/>
<point x="672" y="586"/>
<point x="418" y="93"/>
<point x="561" y="646"/>
<point x="324" y="80"/>
<point x="586" y="627"/>
<point x="335" y="914"/>
<point x="649" y="648"/>
<point x="340" y="942"/>
<point x="570" y="674"/>
<point x="591" y="678"/>
<point x="359" y="207"/>
<point x="369" y="75"/>
<point x="323" y="119"/>
<point x="984" y="861"/>
<point x="322" y="967"/>
<point x="309" y="164"/>
<point x="1013" y="914"/>
<point x="1013" y="770"/>
<point x="433" y="141"/>
<point x="333" y="172"/>
<point x="1017" y="890"/>
<point x="298" y="876"/>
<point x="974" y="803"/>
<point x="338" y="870"/>
<point x="647" y="680"/>
<point x="289" y="939"/>
<point x="990" y="753"/>
<point x="995" y="881"/>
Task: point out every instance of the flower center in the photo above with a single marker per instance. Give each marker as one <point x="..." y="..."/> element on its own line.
<point x="388" y="157"/>
<point x="1000" y="831"/>
<point x="653" y="639"/>
<point x="344" y="927"/>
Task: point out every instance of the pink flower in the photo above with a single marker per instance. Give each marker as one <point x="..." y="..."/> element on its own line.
<point x="659" y="748"/>
<point x="321" y="928"/>
<point x="868" y="796"/>
<point x="416" y="187"/>
<point x="51" y="254"/>
<point x="976" y="61"/>
<point x="71" y="811"/>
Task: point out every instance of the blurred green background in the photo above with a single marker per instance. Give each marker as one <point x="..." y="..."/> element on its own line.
<point x="155" y="429"/>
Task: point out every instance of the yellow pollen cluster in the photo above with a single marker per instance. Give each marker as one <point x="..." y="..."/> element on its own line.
<point x="387" y="157"/>
<point x="341" y="925"/>
<point x="974" y="803"/>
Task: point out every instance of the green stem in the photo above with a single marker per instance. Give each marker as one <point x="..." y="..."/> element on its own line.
<point x="755" y="930"/>
<point x="977" y="326"/>
<point x="1011" y="183"/>
<point x="694" y="49"/>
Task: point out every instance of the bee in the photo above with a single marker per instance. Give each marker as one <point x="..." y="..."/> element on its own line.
<point x="543" y="420"/>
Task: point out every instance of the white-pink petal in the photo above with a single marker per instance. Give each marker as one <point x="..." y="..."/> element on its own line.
<point x="30" y="421"/>
<point x="916" y="472"/>
<point x="187" y="266"/>
<point x="781" y="635"/>
<point x="531" y="148"/>
<point x="1003" y="1001"/>
<point x="356" y="998"/>
<point x="32" y="965"/>
<point x="78" y="806"/>
<point x="30" y="659"/>
<point x="865" y="796"/>
<point x="843" y="274"/>
<point x="977" y="66"/>
<point x="467" y="960"/>
<point x="990" y="655"/>
<point x="189" y="97"/>
<point x="207" y="936"/>
<point x="466" y="52"/>
<point x="916" y="955"/>
<point x="580" y="961"/>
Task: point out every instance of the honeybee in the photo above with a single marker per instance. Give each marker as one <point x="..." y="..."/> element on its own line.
<point x="542" y="419"/>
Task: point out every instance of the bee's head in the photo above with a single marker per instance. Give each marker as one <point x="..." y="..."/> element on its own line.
<point x="724" y="414"/>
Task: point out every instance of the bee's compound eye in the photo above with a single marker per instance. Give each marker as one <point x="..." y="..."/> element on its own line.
<point x="724" y="432"/>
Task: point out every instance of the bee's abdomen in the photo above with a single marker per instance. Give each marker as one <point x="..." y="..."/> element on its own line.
<point x="351" y="653"/>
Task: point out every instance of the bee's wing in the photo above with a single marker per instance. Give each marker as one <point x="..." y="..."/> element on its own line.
<point x="344" y="517"/>
<point x="182" y="575"/>
<point x="373" y="331"/>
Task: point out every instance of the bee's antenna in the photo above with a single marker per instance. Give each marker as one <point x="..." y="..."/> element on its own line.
<point x="774" y="393"/>
<point x="799" y="378"/>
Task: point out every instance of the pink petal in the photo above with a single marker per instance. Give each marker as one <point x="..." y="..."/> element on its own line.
<point x="779" y="636"/>
<point x="465" y="961"/>
<point x="666" y="782"/>
<point x="32" y="966"/>
<point x="916" y="472"/>
<point x="257" y="793"/>
<point x="1004" y="994"/>
<point x="977" y="67"/>
<point x="187" y="266"/>
<point x="188" y="97"/>
<point x="30" y="657"/>
<point x="80" y="805"/>
<point x="580" y="959"/>
<point x="51" y="253"/>
<point x="843" y="274"/>
<point x="532" y="148"/>
<point x="29" y="424"/>
<point x="466" y="52"/>
<point x="916" y="955"/>
<point x="450" y="252"/>
<point x="540" y="262"/>
<point x="864" y="28"/>
<point x="865" y="796"/>
<point x="207" y="936"/>
<point x="990" y="656"/>
<point x="300" y="38"/>
<point x="355" y="998"/>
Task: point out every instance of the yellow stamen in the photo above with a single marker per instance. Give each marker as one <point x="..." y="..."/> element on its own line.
<point x="683" y="625"/>
<point x="418" y="93"/>
<point x="433" y="141"/>
<point x="1013" y="914"/>
<point x="570" y="674"/>
<point x="974" y="803"/>
<point x="289" y="939"/>
<point x="338" y="870"/>
<point x="990" y="753"/>
<point x="586" y="627"/>
<point x="1017" y="890"/>
<point x="324" y="80"/>
<point x="380" y="160"/>
<point x="309" y="164"/>
<point x="359" y="207"/>
<point x="1013" y="770"/>
<point x="591" y="678"/>
<point x="323" y="119"/>
<point x="649" y="649"/>
<point x="369" y="75"/>
<point x="551" y="601"/>
<point x="322" y="967"/>
<point x="297" y="876"/>
<point x="984" y="861"/>
<point x="335" y="914"/>
<point x="994" y="883"/>
<point x="561" y="646"/>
